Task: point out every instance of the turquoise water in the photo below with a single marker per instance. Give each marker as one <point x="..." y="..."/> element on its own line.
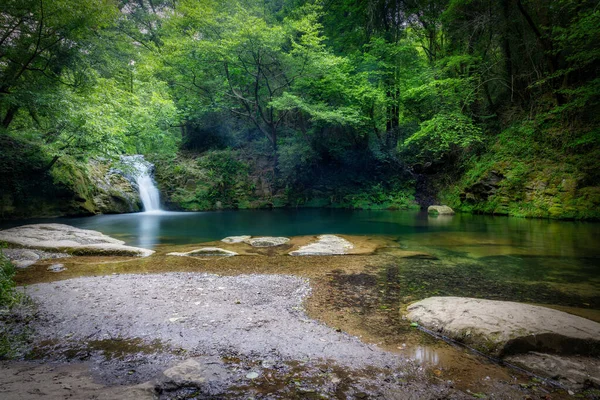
<point x="450" y="234"/>
<point x="471" y="253"/>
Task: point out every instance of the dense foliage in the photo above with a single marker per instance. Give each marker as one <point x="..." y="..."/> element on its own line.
<point x="245" y="103"/>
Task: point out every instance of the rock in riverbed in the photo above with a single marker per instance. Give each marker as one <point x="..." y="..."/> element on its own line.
<point x="206" y="251"/>
<point x="267" y="241"/>
<point x="521" y="333"/>
<point x="504" y="327"/>
<point x="70" y="240"/>
<point x="22" y="258"/>
<point x="236" y="239"/>
<point x="326" y="245"/>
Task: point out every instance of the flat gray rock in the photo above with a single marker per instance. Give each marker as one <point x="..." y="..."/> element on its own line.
<point x="267" y="241"/>
<point x="69" y="239"/>
<point x="22" y="258"/>
<point x="205" y="251"/>
<point x="504" y="327"/>
<point x="236" y="239"/>
<point x="326" y="245"/>
<point x="441" y="210"/>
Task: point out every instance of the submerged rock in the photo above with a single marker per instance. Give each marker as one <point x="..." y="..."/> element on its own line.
<point x="206" y="251"/>
<point x="504" y="327"/>
<point x="326" y="245"/>
<point x="267" y="241"/>
<point x="236" y="239"/>
<point x="56" y="268"/>
<point x="69" y="239"/>
<point x="441" y="210"/>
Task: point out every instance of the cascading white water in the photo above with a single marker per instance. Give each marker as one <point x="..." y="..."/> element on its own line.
<point x="141" y="173"/>
<point x="148" y="192"/>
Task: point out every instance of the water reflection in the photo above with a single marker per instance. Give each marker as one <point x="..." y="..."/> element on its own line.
<point x="426" y="355"/>
<point x="148" y="229"/>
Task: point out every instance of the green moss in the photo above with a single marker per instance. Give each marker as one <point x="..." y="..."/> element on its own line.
<point x="538" y="180"/>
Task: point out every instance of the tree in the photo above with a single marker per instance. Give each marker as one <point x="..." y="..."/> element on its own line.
<point x="39" y="41"/>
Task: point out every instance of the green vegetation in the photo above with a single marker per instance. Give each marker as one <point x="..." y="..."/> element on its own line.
<point x="13" y="335"/>
<point x="8" y="295"/>
<point x="488" y="106"/>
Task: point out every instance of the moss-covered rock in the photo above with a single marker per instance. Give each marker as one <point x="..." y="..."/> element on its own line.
<point x="37" y="185"/>
<point x="520" y="177"/>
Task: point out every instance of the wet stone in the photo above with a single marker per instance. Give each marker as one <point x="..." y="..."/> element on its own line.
<point x="57" y="268"/>
<point x="236" y="239"/>
<point x="267" y="241"/>
<point x="206" y="251"/>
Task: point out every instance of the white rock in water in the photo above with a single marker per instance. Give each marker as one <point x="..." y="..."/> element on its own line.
<point x="267" y="241"/>
<point x="236" y="239"/>
<point x="442" y="210"/>
<point x="69" y="239"/>
<point x="206" y="251"/>
<point x="326" y="245"/>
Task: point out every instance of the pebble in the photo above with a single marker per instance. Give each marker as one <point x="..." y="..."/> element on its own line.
<point x="252" y="375"/>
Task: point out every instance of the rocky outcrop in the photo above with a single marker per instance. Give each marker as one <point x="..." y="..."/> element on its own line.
<point x="326" y="245"/>
<point x="206" y="251"/>
<point x="551" y="342"/>
<point x="483" y="189"/>
<point x="441" y="210"/>
<point x="68" y="239"/>
<point x="267" y="241"/>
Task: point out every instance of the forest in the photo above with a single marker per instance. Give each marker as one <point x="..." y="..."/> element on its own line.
<point x="487" y="106"/>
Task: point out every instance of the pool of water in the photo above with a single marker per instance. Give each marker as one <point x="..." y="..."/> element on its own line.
<point x="499" y="248"/>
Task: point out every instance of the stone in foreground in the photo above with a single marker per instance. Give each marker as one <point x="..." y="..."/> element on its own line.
<point x="326" y="245"/>
<point x="70" y="240"/>
<point x="440" y="210"/>
<point x="196" y="372"/>
<point x="267" y="241"/>
<point x="504" y="327"/>
<point x="236" y="239"/>
<point x="22" y="258"/>
<point x="206" y="251"/>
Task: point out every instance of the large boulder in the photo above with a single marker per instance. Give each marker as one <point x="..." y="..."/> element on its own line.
<point x="326" y="245"/>
<point x="68" y="239"/>
<point x="440" y="210"/>
<point x="548" y="342"/>
<point x="504" y="327"/>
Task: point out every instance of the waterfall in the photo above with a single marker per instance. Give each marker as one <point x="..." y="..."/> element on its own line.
<point x="139" y="172"/>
